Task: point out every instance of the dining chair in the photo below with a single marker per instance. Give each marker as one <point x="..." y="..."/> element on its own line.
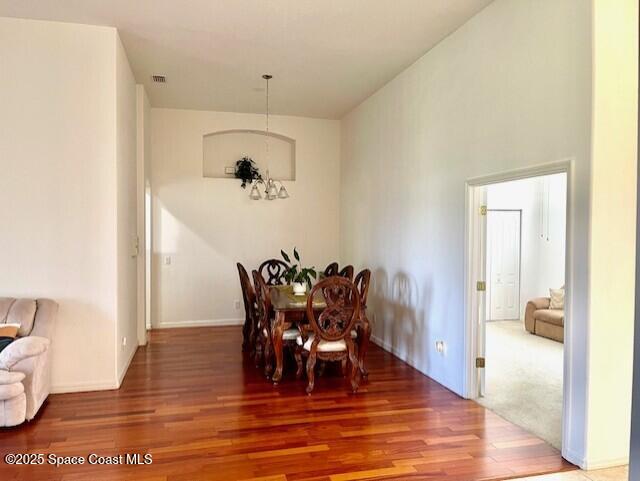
<point x="249" y="299"/>
<point x="347" y="272"/>
<point x="265" y="318"/>
<point x="362" y="282"/>
<point x="331" y="337"/>
<point x="363" y="330"/>
<point x="272" y="270"/>
<point x="331" y="270"/>
<point x="264" y="349"/>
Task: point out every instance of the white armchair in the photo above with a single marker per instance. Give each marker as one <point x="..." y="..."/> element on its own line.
<point x="29" y="354"/>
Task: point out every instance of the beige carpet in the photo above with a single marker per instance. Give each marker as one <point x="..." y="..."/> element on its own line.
<point x="524" y="379"/>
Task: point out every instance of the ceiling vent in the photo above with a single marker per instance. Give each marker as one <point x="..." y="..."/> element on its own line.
<point x="160" y="79"/>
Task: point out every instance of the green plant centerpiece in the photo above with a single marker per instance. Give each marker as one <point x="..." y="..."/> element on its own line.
<point x="297" y="275"/>
<point x="247" y="171"/>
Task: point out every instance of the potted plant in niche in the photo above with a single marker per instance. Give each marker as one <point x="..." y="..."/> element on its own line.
<point x="247" y="171"/>
<point x="298" y="276"/>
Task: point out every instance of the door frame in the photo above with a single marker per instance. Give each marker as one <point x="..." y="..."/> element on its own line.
<point x="488" y="274"/>
<point x="475" y="265"/>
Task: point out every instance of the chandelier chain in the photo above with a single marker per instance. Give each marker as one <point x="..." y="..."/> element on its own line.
<point x="267" y="137"/>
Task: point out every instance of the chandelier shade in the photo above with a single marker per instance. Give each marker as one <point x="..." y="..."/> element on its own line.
<point x="271" y="190"/>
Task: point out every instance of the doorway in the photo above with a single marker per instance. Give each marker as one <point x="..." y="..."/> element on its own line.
<point x="517" y="226"/>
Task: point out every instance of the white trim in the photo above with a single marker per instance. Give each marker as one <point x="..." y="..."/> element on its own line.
<point x="475" y="197"/>
<point x="141" y="254"/>
<point x="386" y="346"/>
<point x="585" y="465"/>
<point x="574" y="458"/>
<point x="602" y="463"/>
<point x="84" y="387"/>
<point x="201" y="323"/>
<point x="557" y="167"/>
<point x="126" y="367"/>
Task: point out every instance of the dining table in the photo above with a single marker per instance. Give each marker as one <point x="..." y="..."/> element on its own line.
<point x="291" y="309"/>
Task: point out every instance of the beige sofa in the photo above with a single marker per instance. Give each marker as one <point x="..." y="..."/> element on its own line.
<point x="545" y="322"/>
<point x="25" y="365"/>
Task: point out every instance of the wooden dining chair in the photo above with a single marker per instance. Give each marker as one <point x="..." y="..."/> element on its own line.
<point x="331" y="338"/>
<point x="363" y="327"/>
<point x="265" y="317"/>
<point x="347" y="272"/>
<point x="362" y="281"/>
<point x="264" y="347"/>
<point x="331" y="270"/>
<point x="272" y="271"/>
<point x="249" y="299"/>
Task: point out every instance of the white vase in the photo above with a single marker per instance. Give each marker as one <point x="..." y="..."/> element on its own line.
<point x="299" y="288"/>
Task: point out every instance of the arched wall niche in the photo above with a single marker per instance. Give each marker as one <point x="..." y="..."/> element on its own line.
<point x="221" y="150"/>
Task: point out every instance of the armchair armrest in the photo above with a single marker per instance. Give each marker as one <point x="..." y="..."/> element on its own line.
<point x="540" y="303"/>
<point x="532" y="306"/>
<point x="21" y="349"/>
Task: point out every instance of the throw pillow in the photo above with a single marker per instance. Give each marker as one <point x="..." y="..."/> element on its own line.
<point x="8" y="333"/>
<point x="556" y="298"/>
<point x="9" y="330"/>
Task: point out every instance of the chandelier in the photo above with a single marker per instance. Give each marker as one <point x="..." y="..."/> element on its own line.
<point x="271" y="190"/>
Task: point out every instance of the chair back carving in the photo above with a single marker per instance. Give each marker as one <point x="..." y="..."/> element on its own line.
<point x="362" y="283"/>
<point x="347" y="272"/>
<point x="263" y="301"/>
<point x="331" y="270"/>
<point x="272" y="271"/>
<point x="248" y="294"/>
<point x="343" y="308"/>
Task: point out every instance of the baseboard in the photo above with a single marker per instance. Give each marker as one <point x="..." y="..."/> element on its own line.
<point x="604" y="463"/>
<point x="84" y="387"/>
<point x="95" y="385"/>
<point x="126" y="366"/>
<point x="403" y="357"/>
<point x="201" y="323"/>
<point x="384" y="345"/>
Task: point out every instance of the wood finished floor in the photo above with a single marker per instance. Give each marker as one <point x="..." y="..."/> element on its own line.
<point x="191" y="401"/>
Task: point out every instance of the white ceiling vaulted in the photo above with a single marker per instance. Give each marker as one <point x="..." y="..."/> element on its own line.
<point x="326" y="56"/>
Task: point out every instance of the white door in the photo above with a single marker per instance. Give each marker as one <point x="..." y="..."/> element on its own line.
<point x="477" y="225"/>
<point x="503" y="264"/>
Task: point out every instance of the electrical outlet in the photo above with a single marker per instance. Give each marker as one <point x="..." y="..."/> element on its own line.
<point x="237" y="304"/>
<point x="167" y="260"/>
<point x="440" y="347"/>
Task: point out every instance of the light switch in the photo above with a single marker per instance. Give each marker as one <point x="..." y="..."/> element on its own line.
<point x="167" y="260"/>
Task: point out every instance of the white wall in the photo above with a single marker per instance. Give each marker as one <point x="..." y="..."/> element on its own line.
<point x="126" y="139"/>
<point x="207" y="225"/>
<point x="542" y="201"/>
<point x="510" y="89"/>
<point x="59" y="187"/>
<point x="612" y="230"/>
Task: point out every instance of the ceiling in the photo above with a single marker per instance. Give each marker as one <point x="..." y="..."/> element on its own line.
<point x="326" y="56"/>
